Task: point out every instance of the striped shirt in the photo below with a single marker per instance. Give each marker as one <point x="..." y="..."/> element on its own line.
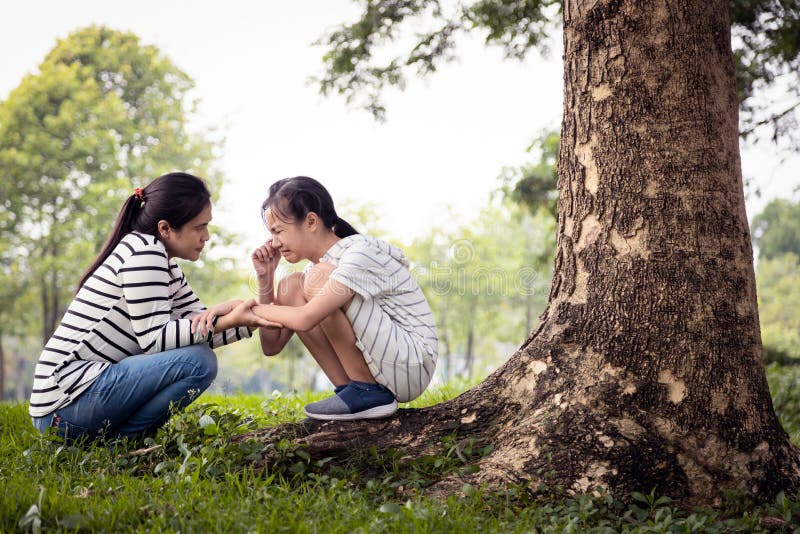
<point x="393" y="324"/>
<point x="136" y="302"/>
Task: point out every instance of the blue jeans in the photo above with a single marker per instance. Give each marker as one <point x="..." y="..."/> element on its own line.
<point x="133" y="397"/>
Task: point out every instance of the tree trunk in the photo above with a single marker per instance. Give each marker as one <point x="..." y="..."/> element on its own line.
<point x="646" y="369"/>
<point x="46" y="333"/>
<point x="21" y="394"/>
<point x="469" y="357"/>
<point x="445" y="353"/>
<point x="55" y="292"/>
<point x="2" y="369"/>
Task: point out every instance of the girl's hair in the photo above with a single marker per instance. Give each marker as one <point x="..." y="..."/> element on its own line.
<point x="176" y="197"/>
<point x="294" y="198"/>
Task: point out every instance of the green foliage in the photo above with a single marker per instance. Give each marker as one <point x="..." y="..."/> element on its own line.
<point x="486" y="280"/>
<point x="783" y="382"/>
<point x="102" y="114"/>
<point x="198" y="474"/>
<point x="360" y="61"/>
<point x="536" y="185"/>
<point x="778" y="282"/>
<point x="767" y="52"/>
<point x="776" y="230"/>
<point x="351" y="67"/>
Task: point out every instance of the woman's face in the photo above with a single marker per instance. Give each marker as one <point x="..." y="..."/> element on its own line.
<point x="188" y="242"/>
<point x="288" y="238"/>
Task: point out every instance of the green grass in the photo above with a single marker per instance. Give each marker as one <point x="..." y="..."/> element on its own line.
<point x="199" y="480"/>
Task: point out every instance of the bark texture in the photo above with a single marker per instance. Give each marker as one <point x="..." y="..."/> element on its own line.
<point x="646" y="370"/>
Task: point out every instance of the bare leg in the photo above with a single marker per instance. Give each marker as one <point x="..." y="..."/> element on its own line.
<point x="290" y="293"/>
<point x="337" y="328"/>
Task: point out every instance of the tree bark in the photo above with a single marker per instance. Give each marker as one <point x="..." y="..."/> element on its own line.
<point x="469" y="354"/>
<point x="646" y="369"/>
<point x="2" y="369"/>
<point x="46" y="333"/>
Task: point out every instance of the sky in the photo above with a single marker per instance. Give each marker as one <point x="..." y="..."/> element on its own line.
<point x="446" y="140"/>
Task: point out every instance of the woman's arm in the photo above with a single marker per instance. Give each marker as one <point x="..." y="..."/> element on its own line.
<point x="333" y="296"/>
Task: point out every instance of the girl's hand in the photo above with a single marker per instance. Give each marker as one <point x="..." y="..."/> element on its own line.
<point x="205" y="320"/>
<point x="265" y="259"/>
<point x="243" y="315"/>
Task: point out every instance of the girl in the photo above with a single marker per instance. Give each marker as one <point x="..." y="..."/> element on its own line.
<point x="125" y="352"/>
<point x="356" y="307"/>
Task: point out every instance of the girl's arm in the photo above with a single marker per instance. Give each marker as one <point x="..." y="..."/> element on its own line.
<point x="265" y="260"/>
<point x="332" y="297"/>
<point x="272" y="339"/>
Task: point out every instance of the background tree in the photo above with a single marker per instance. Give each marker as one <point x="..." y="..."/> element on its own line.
<point x="767" y="52"/>
<point x="646" y="370"/>
<point x="535" y="185"/>
<point x="103" y="114"/>
<point x="485" y="279"/>
<point x="778" y="280"/>
<point x="776" y="230"/>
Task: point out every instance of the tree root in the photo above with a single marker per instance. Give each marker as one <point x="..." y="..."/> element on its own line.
<point x="561" y="429"/>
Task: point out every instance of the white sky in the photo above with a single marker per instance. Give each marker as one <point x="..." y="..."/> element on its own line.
<point x="445" y="142"/>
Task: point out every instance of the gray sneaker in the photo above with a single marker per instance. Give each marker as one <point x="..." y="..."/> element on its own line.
<point x="356" y="401"/>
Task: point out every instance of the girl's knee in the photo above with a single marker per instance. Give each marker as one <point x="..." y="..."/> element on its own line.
<point x="290" y="289"/>
<point x="316" y="278"/>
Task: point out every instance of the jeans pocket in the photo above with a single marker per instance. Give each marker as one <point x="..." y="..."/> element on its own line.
<point x="69" y="432"/>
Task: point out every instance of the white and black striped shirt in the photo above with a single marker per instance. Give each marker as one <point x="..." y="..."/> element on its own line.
<point x="136" y="302"/>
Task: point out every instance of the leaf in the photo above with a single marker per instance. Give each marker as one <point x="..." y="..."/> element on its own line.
<point x="663" y="500"/>
<point x="31" y="520"/>
<point x="389" y="508"/>
<point x="206" y="420"/>
<point x="468" y="490"/>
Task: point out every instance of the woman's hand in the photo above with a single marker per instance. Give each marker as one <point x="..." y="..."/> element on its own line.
<point x="205" y="320"/>
<point x="265" y="259"/>
<point x="243" y="315"/>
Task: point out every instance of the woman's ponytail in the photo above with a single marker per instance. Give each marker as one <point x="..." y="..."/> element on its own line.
<point x="175" y="197"/>
<point x="122" y="226"/>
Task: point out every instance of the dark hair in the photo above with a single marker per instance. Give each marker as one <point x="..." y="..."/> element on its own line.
<point x="176" y="197"/>
<point x="298" y="196"/>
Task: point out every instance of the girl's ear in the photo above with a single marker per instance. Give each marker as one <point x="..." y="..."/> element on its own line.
<point x="312" y="221"/>
<point x="163" y="229"/>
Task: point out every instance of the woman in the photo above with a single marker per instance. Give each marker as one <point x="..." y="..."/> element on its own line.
<point x="356" y="307"/>
<point x="125" y="354"/>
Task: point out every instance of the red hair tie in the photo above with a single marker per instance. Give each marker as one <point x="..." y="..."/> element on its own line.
<point x="138" y="193"/>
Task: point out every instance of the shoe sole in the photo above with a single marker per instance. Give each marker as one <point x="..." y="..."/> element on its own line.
<point x="377" y="412"/>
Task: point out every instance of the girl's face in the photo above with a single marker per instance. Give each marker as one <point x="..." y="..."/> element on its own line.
<point x="289" y="238"/>
<point x="188" y="242"/>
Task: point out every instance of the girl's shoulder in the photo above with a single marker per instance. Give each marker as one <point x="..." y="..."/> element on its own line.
<point x="380" y="250"/>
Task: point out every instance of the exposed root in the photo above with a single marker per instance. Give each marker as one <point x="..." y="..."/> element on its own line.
<point x="572" y="428"/>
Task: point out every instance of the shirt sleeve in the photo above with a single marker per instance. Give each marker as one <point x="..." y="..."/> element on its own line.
<point x="365" y="270"/>
<point x="185" y="304"/>
<point x="149" y="288"/>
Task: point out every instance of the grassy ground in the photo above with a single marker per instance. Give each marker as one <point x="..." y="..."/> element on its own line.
<point x="199" y="481"/>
